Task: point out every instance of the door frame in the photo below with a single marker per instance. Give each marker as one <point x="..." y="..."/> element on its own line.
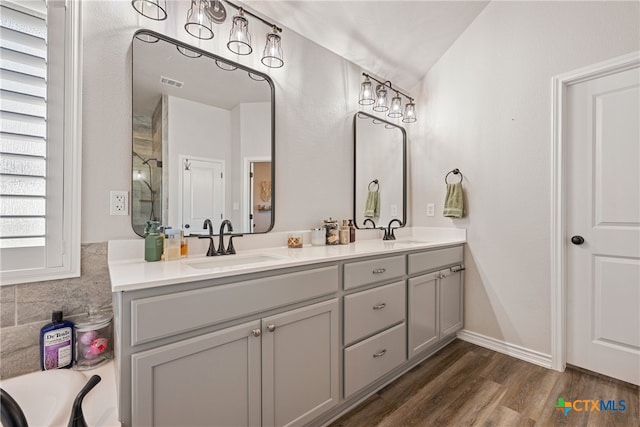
<point x="560" y="84"/>
<point x="246" y="196"/>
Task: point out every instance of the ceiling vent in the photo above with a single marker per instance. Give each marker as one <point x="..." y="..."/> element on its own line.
<point x="171" y="82"/>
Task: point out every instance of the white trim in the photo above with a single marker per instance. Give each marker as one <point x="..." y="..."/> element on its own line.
<point x="559" y="86"/>
<point x="245" y="189"/>
<point x="504" y="347"/>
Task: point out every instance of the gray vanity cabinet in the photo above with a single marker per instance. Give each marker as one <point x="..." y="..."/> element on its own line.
<point x="300" y="375"/>
<point x="206" y="380"/>
<point x="263" y="350"/>
<point x="435" y="299"/>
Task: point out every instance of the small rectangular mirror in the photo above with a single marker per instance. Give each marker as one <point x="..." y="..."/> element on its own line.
<point x="380" y="177"/>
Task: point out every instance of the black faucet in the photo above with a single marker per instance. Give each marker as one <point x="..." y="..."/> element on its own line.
<point x="77" y="417"/>
<point x="221" y="248"/>
<point x="11" y="414"/>
<point x="369" y="220"/>
<point x="388" y="234"/>
<point x="212" y="249"/>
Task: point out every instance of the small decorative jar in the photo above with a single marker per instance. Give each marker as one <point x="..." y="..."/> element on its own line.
<point x="94" y="339"/>
<point x="331" y="232"/>
<point x="318" y="236"/>
<point x="294" y="240"/>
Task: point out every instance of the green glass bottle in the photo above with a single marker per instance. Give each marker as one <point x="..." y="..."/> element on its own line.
<point x="153" y="244"/>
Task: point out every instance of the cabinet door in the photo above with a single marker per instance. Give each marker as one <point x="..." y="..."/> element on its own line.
<point x="423" y="312"/>
<point x="211" y="380"/>
<point x="451" y="303"/>
<point x="300" y="373"/>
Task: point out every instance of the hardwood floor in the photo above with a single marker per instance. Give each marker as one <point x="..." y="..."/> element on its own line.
<point x="467" y="385"/>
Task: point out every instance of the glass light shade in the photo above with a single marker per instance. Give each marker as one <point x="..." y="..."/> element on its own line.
<point x="188" y="52"/>
<point x="239" y="37"/>
<point x="152" y="9"/>
<point x="366" y="93"/>
<point x="272" y="56"/>
<point x="198" y="25"/>
<point x="409" y="113"/>
<point x="381" y="100"/>
<point x="395" y="111"/>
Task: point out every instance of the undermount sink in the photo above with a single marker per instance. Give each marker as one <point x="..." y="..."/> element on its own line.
<point x="232" y="261"/>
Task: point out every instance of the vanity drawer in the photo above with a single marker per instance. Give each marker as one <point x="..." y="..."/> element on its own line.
<point x="373" y="310"/>
<point x="372" y="271"/>
<point x="370" y="359"/>
<point x="432" y="260"/>
<point x="171" y="314"/>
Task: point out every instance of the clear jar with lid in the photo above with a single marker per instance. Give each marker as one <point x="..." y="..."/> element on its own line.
<point x="94" y="339"/>
<point x="331" y="232"/>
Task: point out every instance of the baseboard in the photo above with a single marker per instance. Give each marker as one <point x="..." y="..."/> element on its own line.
<point x="500" y="346"/>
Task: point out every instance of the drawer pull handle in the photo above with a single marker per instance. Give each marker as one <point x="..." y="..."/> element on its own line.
<point x="380" y="306"/>
<point x="256" y="332"/>
<point x="380" y="353"/>
<point x="271" y="328"/>
<point x="379" y="270"/>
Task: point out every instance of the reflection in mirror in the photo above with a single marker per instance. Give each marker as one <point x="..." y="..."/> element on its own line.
<point x="380" y="171"/>
<point x="203" y="139"/>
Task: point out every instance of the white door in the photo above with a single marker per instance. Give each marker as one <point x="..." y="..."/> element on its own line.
<point x="603" y="225"/>
<point x="202" y="194"/>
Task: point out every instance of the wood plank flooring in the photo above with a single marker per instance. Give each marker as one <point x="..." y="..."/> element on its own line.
<point x="467" y="385"/>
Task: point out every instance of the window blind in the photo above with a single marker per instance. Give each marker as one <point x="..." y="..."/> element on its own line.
<point x="23" y="123"/>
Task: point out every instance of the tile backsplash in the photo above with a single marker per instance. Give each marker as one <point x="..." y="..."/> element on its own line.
<point x="26" y="307"/>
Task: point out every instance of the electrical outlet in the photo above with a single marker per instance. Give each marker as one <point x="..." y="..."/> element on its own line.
<point x="431" y="209"/>
<point x="119" y="202"/>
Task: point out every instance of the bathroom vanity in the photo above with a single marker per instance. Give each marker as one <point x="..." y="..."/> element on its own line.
<point x="280" y="336"/>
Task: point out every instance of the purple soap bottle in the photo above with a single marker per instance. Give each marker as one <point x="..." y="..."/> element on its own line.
<point x="56" y="343"/>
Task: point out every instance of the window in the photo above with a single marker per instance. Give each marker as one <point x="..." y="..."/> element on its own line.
<point x="39" y="140"/>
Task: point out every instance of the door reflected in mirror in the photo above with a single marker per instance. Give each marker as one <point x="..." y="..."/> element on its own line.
<point x="380" y="171"/>
<point x="203" y="139"/>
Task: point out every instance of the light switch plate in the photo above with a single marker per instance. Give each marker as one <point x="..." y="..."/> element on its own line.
<point x="119" y="203"/>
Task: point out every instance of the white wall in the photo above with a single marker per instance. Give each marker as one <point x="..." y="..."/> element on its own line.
<point x="316" y="97"/>
<point x="488" y="112"/>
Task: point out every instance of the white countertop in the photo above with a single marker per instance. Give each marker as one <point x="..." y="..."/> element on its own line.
<point x="129" y="271"/>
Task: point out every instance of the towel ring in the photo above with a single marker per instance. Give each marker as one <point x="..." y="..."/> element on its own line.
<point x="456" y="171"/>
<point x="375" y="181"/>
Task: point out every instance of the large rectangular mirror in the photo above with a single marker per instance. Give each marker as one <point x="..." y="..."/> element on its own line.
<point x="203" y="139"/>
<point x="380" y="177"/>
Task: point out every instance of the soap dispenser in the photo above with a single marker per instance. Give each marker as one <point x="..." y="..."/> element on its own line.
<point x="153" y="244"/>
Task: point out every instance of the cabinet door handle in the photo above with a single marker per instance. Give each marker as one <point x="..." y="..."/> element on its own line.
<point x="256" y="332"/>
<point x="379" y="270"/>
<point x="380" y="306"/>
<point x="271" y="328"/>
<point x="380" y="353"/>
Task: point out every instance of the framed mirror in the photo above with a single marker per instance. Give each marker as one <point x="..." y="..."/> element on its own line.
<point x="203" y="139"/>
<point x="380" y="171"/>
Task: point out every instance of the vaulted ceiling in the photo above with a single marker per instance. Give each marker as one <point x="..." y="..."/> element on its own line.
<point x="397" y="40"/>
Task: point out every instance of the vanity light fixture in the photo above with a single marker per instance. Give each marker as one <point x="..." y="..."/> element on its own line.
<point x="152" y="9"/>
<point x="198" y="24"/>
<point x="409" y="112"/>
<point x="239" y="38"/>
<point x="272" y="56"/>
<point x="395" y="111"/>
<point x="203" y="14"/>
<point x="380" y="102"/>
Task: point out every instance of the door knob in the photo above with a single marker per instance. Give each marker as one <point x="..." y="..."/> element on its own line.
<point x="577" y="240"/>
